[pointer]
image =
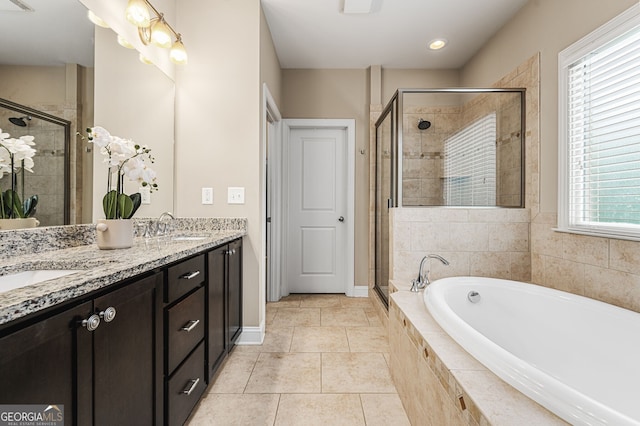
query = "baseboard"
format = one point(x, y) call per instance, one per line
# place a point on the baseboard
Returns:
point(251, 335)
point(359, 291)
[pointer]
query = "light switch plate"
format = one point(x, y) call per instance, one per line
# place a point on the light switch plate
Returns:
point(207, 195)
point(145, 195)
point(235, 195)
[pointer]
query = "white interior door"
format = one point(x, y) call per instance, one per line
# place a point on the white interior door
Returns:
point(317, 210)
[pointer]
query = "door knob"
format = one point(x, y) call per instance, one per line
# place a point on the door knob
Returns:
point(341, 219)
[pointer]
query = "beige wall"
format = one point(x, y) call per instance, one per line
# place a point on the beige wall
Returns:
point(133, 101)
point(600, 268)
point(218, 124)
point(332, 93)
point(45, 84)
point(270, 72)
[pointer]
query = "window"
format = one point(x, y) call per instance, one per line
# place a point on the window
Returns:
point(470, 165)
point(599, 139)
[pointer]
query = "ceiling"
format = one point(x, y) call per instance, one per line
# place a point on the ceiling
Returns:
point(57, 32)
point(306, 33)
point(316, 34)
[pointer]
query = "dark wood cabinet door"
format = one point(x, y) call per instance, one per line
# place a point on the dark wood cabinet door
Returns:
point(216, 328)
point(125, 355)
point(234, 283)
point(38, 363)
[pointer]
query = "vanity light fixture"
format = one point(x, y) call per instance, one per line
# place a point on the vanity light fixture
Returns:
point(155, 29)
point(437, 44)
point(144, 59)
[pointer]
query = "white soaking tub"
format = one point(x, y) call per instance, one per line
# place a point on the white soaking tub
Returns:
point(577, 357)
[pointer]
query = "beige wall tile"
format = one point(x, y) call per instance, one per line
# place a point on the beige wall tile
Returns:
point(490, 264)
point(625, 256)
point(429, 236)
point(615, 287)
point(509, 237)
point(585, 249)
point(467, 237)
point(564, 275)
point(544, 240)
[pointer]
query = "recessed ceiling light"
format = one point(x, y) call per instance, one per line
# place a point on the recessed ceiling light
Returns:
point(437, 44)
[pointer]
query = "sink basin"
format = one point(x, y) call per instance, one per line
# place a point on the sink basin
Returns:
point(189, 237)
point(25, 278)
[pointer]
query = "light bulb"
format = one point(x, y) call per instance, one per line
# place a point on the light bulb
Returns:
point(137, 13)
point(96, 19)
point(161, 34)
point(178, 54)
point(437, 44)
point(144, 59)
point(124, 43)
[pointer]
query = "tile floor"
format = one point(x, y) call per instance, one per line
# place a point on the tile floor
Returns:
point(324, 361)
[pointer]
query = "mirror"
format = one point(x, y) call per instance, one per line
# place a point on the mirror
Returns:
point(41, 69)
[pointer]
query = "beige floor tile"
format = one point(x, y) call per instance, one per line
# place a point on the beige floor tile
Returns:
point(235, 373)
point(291, 317)
point(374, 318)
point(320, 410)
point(319, 339)
point(344, 317)
point(321, 301)
point(236, 410)
point(356, 302)
point(355, 373)
point(292, 301)
point(384, 410)
point(276, 339)
point(368, 339)
point(286, 373)
point(270, 314)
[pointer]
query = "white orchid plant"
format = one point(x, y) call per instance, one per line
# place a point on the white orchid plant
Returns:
point(124, 157)
point(16, 155)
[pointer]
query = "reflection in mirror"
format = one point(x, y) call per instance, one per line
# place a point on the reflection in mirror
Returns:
point(46, 72)
point(49, 179)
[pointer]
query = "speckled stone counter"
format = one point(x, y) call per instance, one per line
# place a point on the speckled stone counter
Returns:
point(73, 247)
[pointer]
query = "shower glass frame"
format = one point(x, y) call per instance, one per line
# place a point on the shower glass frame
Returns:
point(395, 111)
point(23, 110)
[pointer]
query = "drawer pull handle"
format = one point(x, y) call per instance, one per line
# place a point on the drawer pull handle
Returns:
point(190, 325)
point(108, 314)
point(189, 275)
point(191, 386)
point(91, 323)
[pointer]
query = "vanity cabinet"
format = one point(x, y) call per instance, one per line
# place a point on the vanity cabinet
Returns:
point(97, 358)
point(184, 323)
point(224, 302)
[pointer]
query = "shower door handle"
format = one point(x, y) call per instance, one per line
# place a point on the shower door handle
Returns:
point(341, 219)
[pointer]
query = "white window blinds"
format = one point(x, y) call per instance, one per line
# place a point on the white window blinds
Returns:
point(470, 165)
point(603, 131)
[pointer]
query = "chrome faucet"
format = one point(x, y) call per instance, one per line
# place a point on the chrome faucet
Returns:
point(165, 214)
point(423, 279)
point(162, 229)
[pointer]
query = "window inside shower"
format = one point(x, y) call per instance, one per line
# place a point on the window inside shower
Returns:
point(446, 148)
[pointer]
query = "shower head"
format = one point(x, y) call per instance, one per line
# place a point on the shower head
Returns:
point(423, 124)
point(19, 121)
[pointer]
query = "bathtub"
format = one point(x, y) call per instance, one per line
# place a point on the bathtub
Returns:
point(577, 357)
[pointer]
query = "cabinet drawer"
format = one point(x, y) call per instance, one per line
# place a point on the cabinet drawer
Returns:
point(184, 277)
point(185, 322)
point(185, 387)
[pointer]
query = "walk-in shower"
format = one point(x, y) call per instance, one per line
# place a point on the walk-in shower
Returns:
point(446, 148)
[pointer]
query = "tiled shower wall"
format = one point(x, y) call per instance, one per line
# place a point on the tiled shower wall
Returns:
point(423, 150)
point(493, 242)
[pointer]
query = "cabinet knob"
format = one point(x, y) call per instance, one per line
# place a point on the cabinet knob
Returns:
point(230, 252)
point(191, 386)
point(190, 325)
point(189, 275)
point(108, 314)
point(91, 323)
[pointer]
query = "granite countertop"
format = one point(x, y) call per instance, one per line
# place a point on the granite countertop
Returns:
point(98, 268)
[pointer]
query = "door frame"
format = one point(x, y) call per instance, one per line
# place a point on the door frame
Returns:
point(349, 126)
